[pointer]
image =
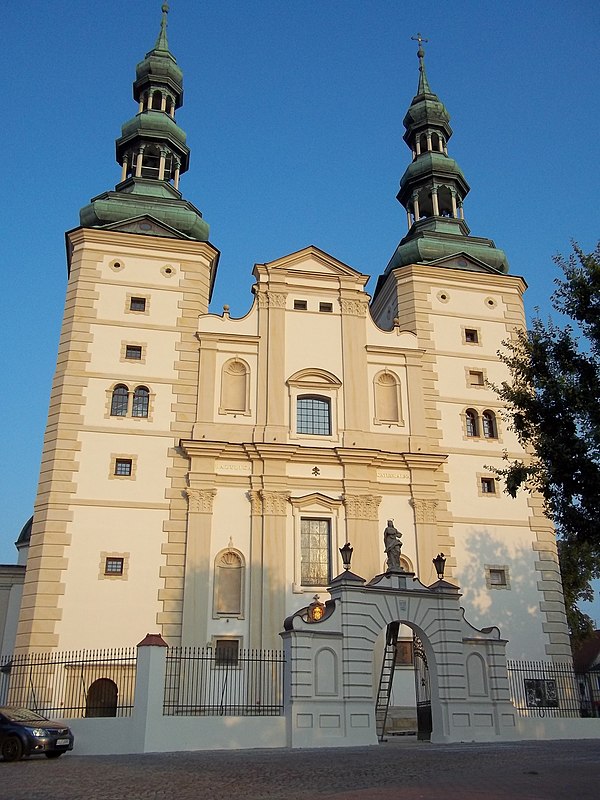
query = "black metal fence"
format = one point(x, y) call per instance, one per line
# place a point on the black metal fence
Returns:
point(549, 689)
point(213, 682)
point(90, 683)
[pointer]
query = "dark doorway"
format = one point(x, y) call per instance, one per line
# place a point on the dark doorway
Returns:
point(102, 699)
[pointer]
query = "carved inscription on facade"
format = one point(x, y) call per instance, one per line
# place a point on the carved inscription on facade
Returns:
point(201, 500)
point(362, 506)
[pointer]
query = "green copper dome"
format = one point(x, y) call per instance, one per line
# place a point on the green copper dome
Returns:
point(432, 191)
point(153, 154)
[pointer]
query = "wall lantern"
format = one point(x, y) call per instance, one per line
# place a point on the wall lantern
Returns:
point(439, 562)
point(346, 553)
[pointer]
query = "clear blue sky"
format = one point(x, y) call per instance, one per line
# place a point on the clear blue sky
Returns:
point(293, 112)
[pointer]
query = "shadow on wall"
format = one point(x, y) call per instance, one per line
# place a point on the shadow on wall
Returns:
point(499, 585)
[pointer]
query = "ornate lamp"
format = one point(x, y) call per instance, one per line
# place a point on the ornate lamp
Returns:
point(439, 562)
point(346, 554)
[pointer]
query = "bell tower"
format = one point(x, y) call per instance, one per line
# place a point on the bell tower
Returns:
point(453, 291)
point(111, 496)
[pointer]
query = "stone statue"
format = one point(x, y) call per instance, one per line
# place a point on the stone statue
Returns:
point(393, 545)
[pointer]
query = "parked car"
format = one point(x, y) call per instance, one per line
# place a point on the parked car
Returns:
point(24, 732)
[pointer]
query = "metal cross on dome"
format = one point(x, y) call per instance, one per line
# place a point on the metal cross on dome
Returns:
point(418, 38)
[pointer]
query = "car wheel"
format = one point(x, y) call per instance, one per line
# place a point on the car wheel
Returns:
point(53, 754)
point(12, 749)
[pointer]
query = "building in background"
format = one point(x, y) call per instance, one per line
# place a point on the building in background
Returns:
point(200, 473)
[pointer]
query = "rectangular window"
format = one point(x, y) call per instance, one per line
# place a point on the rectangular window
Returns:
point(227, 652)
point(133, 351)
point(300, 305)
point(476, 377)
point(326, 307)
point(497, 577)
point(471, 335)
point(123, 466)
point(113, 566)
point(488, 485)
point(313, 416)
point(315, 548)
point(137, 304)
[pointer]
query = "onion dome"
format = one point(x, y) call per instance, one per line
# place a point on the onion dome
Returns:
point(153, 154)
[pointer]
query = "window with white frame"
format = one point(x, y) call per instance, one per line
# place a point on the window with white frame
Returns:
point(315, 549)
point(313, 415)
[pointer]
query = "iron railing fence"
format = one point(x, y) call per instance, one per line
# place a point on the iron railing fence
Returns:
point(551, 689)
point(213, 682)
point(86, 683)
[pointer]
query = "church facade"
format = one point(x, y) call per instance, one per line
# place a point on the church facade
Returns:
point(200, 472)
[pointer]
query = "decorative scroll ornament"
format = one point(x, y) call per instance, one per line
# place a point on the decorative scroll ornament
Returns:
point(256, 504)
point(276, 299)
point(201, 500)
point(362, 506)
point(356, 308)
point(424, 509)
point(275, 503)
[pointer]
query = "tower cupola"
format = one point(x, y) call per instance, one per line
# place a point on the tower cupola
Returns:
point(152, 152)
point(433, 189)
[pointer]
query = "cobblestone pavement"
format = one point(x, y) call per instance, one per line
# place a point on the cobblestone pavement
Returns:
point(401, 769)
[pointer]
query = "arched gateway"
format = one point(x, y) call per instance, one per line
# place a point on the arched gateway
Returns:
point(331, 685)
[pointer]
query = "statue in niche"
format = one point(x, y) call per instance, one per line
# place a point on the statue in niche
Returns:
point(393, 545)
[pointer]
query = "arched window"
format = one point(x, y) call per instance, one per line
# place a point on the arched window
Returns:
point(313, 415)
point(150, 163)
point(490, 430)
point(169, 105)
point(141, 402)
point(229, 584)
point(387, 397)
point(423, 143)
point(234, 387)
point(472, 420)
point(156, 101)
point(118, 405)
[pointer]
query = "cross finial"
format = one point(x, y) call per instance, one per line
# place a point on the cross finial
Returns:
point(418, 38)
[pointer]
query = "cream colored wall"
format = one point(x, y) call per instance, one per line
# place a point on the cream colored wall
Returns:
point(516, 611)
point(82, 509)
point(115, 612)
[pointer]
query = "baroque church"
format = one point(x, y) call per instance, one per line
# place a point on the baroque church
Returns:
point(200, 473)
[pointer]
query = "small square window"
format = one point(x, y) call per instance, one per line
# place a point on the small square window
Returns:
point(133, 351)
point(113, 566)
point(326, 307)
point(476, 377)
point(471, 335)
point(227, 652)
point(488, 485)
point(137, 304)
point(123, 466)
point(300, 305)
point(498, 577)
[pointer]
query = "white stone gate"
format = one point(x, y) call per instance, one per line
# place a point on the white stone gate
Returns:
point(330, 681)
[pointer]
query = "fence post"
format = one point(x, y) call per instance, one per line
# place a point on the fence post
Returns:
point(149, 690)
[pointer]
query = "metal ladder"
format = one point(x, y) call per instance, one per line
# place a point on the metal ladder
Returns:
point(386, 679)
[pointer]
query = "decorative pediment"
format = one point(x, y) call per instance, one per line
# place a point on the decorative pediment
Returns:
point(315, 502)
point(314, 379)
point(313, 261)
point(462, 260)
point(145, 225)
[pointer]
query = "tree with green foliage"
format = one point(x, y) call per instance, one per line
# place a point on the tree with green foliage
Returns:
point(553, 406)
